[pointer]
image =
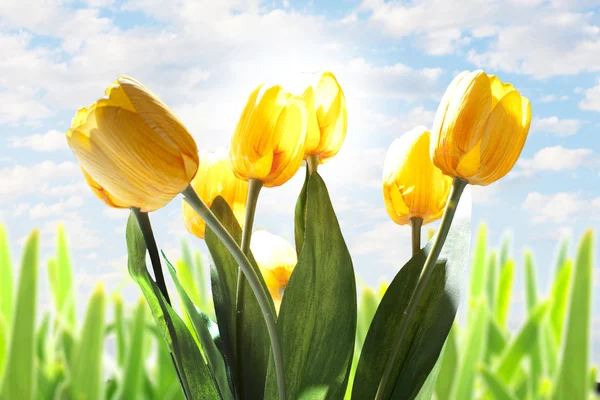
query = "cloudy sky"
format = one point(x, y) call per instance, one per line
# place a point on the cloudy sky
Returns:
point(393, 59)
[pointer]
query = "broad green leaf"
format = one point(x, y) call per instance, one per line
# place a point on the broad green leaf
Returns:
point(531, 297)
point(61, 281)
point(255, 343)
point(195, 377)
point(431, 323)
point(300, 215)
point(495, 386)
point(450, 357)
point(505, 251)
point(6, 279)
point(475, 340)
point(572, 377)
point(317, 319)
point(559, 295)
point(504, 292)
point(131, 384)
point(491, 277)
point(165, 376)
point(120, 338)
point(520, 346)
point(20, 378)
point(479, 264)
point(87, 375)
point(205, 330)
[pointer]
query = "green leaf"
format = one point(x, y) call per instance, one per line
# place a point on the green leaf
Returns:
point(475, 338)
point(6, 279)
point(549, 350)
point(504, 292)
point(520, 346)
point(431, 323)
point(366, 312)
point(255, 344)
point(120, 338)
point(195, 377)
point(559, 295)
point(87, 376)
point(478, 268)
point(203, 288)
point(531, 296)
point(491, 278)
point(562, 256)
point(185, 272)
point(205, 331)
point(4, 343)
point(131, 384)
point(446, 378)
point(300, 215)
point(61, 281)
point(317, 319)
point(19, 379)
point(496, 339)
point(495, 386)
point(428, 388)
point(572, 377)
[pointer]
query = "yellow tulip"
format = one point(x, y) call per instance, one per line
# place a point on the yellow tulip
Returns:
point(102, 194)
point(268, 143)
point(215, 178)
point(412, 185)
point(327, 117)
point(132, 146)
point(480, 128)
point(276, 259)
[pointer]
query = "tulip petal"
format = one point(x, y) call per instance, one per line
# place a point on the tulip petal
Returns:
point(504, 138)
point(313, 133)
point(499, 89)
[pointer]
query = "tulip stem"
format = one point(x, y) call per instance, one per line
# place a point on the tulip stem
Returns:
point(146, 228)
point(415, 225)
point(254, 187)
point(250, 274)
point(458, 185)
point(312, 163)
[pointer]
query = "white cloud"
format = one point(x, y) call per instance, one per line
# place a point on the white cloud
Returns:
point(558, 208)
point(560, 127)
point(43, 210)
point(116, 213)
point(555, 158)
point(46, 142)
point(591, 100)
point(79, 235)
point(21, 180)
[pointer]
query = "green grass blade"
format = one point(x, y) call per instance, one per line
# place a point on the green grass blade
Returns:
point(61, 280)
point(491, 278)
point(572, 378)
point(558, 300)
point(477, 287)
point(19, 379)
point(476, 338)
point(497, 339)
point(549, 350)
point(187, 276)
point(120, 337)
point(531, 298)
point(86, 375)
point(3, 344)
point(366, 312)
point(495, 386)
point(504, 292)
point(202, 284)
point(505, 251)
point(131, 385)
point(520, 346)
point(531, 294)
point(450, 357)
point(6, 279)
point(562, 256)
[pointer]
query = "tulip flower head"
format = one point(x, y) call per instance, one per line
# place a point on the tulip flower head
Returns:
point(276, 258)
point(412, 185)
point(268, 143)
point(480, 128)
point(215, 177)
point(131, 145)
point(327, 117)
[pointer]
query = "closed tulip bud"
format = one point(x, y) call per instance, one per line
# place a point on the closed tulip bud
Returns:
point(480, 128)
point(132, 146)
point(412, 185)
point(327, 117)
point(276, 259)
point(215, 178)
point(268, 143)
point(102, 194)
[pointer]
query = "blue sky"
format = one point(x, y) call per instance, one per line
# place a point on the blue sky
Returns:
point(393, 59)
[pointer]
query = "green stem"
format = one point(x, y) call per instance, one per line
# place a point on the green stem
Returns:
point(254, 187)
point(261, 295)
point(458, 185)
point(312, 163)
point(146, 228)
point(415, 225)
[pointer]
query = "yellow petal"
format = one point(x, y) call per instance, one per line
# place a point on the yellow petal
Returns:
point(102, 193)
point(313, 134)
point(499, 89)
point(330, 107)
